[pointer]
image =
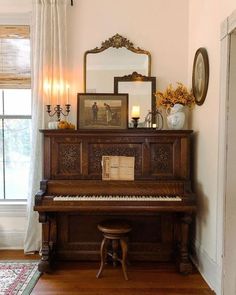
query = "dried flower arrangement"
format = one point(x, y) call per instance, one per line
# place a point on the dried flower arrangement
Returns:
point(172, 96)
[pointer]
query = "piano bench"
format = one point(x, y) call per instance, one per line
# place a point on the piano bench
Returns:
point(114, 231)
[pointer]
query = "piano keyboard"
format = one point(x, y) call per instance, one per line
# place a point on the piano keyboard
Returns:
point(117, 198)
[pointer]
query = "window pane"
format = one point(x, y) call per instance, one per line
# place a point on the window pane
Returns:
point(1, 163)
point(17, 102)
point(17, 157)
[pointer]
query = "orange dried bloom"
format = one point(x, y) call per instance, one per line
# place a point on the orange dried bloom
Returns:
point(171, 96)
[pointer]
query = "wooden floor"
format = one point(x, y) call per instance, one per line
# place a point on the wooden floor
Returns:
point(144, 279)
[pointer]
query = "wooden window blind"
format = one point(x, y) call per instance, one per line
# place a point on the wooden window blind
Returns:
point(15, 70)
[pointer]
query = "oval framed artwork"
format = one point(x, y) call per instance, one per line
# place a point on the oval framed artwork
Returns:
point(200, 75)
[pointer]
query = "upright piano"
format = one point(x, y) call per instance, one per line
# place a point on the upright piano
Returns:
point(73, 198)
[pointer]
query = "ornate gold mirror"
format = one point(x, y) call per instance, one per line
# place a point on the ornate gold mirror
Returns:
point(117, 56)
point(141, 90)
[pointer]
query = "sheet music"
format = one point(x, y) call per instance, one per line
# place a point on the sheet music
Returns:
point(117, 168)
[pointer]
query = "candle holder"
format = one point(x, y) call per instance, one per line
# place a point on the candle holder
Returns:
point(135, 121)
point(58, 111)
point(154, 119)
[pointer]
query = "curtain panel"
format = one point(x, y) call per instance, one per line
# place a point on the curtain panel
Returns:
point(49, 63)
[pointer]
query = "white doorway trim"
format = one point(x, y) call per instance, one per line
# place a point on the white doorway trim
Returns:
point(227, 28)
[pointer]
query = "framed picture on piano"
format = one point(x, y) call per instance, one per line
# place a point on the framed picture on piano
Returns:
point(102, 111)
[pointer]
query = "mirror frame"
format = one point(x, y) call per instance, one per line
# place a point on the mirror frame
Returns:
point(116, 41)
point(136, 77)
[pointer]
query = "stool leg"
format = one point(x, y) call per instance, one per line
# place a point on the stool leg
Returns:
point(124, 248)
point(103, 253)
point(115, 245)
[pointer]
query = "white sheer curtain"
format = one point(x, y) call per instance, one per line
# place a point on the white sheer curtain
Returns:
point(49, 61)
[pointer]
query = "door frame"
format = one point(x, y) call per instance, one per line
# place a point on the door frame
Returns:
point(227, 28)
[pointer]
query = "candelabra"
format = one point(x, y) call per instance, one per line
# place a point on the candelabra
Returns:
point(58, 110)
point(135, 121)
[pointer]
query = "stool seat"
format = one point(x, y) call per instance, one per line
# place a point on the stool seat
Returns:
point(114, 227)
point(115, 231)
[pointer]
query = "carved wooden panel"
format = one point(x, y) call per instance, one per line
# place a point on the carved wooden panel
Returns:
point(66, 158)
point(69, 155)
point(162, 159)
point(96, 151)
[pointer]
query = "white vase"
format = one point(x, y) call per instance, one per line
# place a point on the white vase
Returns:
point(176, 117)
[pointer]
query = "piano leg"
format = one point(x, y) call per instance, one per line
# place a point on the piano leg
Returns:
point(48, 232)
point(44, 264)
point(185, 265)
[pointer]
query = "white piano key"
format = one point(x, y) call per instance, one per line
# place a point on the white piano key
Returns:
point(116, 198)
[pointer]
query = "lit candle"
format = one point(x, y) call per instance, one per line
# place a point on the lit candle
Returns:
point(58, 93)
point(135, 113)
point(67, 87)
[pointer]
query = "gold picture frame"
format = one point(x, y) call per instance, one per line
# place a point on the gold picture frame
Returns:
point(102, 111)
point(200, 75)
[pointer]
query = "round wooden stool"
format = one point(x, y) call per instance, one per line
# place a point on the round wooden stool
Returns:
point(114, 231)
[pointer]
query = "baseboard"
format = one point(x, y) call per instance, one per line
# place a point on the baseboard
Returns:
point(11, 240)
point(208, 268)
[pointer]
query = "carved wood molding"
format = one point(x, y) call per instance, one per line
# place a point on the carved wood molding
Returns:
point(39, 195)
point(116, 41)
point(43, 217)
point(135, 77)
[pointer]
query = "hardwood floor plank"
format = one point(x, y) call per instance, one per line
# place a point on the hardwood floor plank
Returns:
point(80, 279)
point(75, 278)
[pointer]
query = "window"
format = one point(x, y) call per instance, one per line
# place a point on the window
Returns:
point(15, 112)
point(15, 143)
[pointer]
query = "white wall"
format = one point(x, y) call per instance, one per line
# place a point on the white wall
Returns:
point(15, 6)
point(159, 26)
point(205, 18)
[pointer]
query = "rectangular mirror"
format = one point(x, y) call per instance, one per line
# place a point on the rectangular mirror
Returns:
point(141, 90)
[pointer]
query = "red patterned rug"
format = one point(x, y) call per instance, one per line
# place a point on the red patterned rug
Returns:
point(18, 277)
